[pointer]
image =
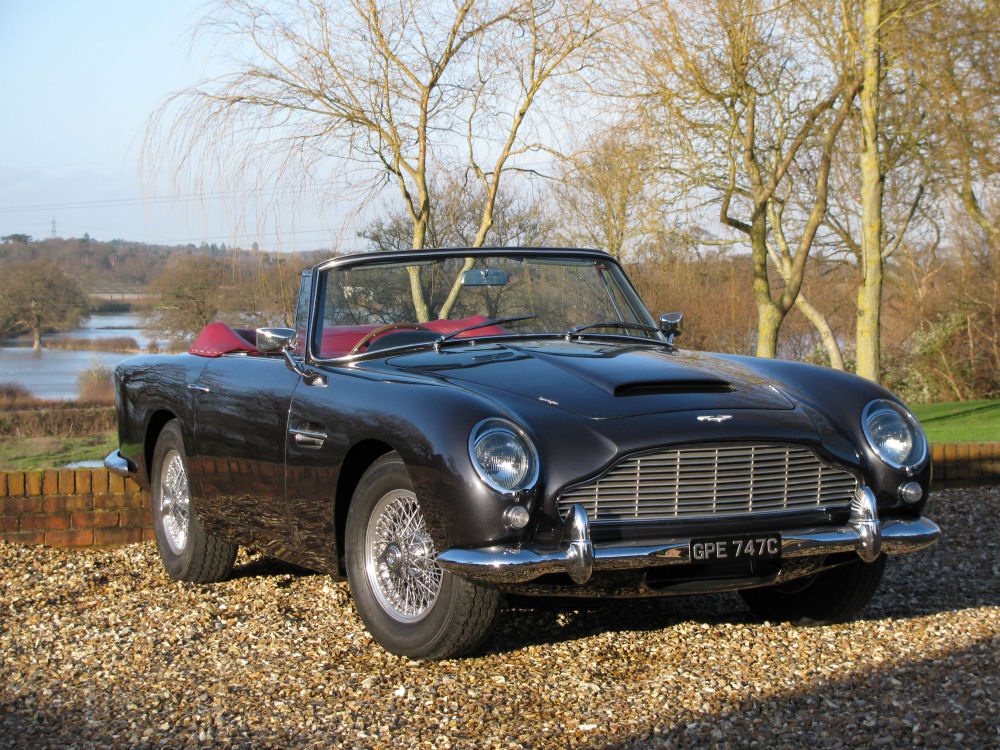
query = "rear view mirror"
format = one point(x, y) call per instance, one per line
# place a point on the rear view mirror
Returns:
point(484, 277)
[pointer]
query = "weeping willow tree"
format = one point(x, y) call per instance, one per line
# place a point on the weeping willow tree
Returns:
point(377, 95)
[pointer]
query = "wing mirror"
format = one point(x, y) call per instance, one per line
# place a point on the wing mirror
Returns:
point(275, 340)
point(670, 324)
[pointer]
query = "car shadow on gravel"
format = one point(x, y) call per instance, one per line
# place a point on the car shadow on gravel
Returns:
point(269, 567)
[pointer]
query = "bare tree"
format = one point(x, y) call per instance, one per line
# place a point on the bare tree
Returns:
point(751, 111)
point(606, 193)
point(517, 220)
point(370, 94)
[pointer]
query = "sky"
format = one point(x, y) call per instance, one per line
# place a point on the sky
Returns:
point(79, 81)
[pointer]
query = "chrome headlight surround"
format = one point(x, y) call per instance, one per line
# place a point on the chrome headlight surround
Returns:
point(895, 435)
point(503, 455)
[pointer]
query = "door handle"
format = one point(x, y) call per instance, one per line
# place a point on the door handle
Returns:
point(199, 387)
point(308, 438)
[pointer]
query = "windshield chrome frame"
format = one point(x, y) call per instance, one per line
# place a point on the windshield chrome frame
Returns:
point(419, 257)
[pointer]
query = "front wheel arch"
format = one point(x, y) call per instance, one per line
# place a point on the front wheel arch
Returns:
point(408, 604)
point(357, 461)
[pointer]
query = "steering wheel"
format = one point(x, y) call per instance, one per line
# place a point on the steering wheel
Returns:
point(372, 335)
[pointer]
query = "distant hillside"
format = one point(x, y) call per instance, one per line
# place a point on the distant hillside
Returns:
point(118, 267)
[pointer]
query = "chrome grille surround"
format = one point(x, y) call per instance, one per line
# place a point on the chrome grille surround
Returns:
point(710, 482)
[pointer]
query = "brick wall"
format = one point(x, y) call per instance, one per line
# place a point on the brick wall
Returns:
point(966, 464)
point(73, 508)
point(95, 508)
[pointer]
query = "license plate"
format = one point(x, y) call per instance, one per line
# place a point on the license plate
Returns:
point(736, 551)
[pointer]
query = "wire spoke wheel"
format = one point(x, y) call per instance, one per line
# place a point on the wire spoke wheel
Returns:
point(175, 502)
point(409, 604)
point(399, 558)
point(187, 551)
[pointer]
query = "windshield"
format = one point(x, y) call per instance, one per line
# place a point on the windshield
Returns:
point(455, 297)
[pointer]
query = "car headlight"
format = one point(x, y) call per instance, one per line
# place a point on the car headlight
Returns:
point(503, 455)
point(894, 434)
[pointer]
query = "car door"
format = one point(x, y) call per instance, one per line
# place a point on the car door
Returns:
point(241, 414)
point(316, 445)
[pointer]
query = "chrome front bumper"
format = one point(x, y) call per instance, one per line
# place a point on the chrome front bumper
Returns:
point(578, 557)
point(116, 463)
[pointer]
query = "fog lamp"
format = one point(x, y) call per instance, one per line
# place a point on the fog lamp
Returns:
point(516, 516)
point(911, 492)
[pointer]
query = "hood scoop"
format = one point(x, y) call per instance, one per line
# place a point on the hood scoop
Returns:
point(673, 387)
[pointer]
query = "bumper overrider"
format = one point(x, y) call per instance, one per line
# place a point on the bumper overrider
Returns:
point(578, 557)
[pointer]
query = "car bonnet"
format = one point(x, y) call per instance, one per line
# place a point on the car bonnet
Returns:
point(600, 380)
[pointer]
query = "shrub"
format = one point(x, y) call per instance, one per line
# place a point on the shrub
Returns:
point(96, 385)
point(14, 395)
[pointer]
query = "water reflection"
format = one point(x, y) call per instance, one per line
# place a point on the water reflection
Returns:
point(53, 373)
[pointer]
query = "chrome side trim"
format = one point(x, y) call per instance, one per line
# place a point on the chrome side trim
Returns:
point(116, 463)
point(579, 557)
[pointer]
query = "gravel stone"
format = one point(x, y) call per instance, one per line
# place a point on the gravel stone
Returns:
point(100, 649)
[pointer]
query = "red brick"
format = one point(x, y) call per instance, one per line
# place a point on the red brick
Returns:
point(66, 481)
point(13, 506)
point(70, 538)
point(3, 483)
point(55, 503)
point(137, 501)
point(110, 537)
point(81, 502)
point(84, 481)
point(149, 535)
point(50, 482)
point(135, 519)
point(100, 480)
point(15, 484)
point(9, 524)
point(27, 537)
point(116, 484)
point(95, 519)
point(45, 522)
point(33, 483)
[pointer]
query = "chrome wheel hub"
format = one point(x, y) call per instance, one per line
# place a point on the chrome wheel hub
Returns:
point(399, 558)
point(175, 502)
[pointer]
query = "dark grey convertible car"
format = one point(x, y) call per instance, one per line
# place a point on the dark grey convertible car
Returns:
point(445, 426)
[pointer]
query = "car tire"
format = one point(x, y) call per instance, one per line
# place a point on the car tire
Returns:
point(411, 606)
point(187, 552)
point(835, 595)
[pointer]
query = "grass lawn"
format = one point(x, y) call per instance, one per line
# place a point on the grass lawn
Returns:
point(22, 454)
point(960, 421)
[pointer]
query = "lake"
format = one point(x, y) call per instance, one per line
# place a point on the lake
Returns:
point(52, 374)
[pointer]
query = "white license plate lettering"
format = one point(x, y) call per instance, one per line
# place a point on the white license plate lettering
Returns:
point(736, 548)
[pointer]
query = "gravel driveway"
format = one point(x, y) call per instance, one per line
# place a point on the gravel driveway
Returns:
point(99, 649)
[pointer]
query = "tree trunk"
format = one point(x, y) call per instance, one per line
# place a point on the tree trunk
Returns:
point(869, 314)
point(769, 314)
point(826, 334)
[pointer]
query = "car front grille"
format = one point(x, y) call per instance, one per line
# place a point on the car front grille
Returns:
point(717, 481)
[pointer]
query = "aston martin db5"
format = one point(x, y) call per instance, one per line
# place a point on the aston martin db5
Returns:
point(444, 427)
